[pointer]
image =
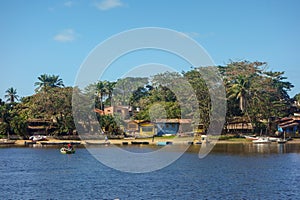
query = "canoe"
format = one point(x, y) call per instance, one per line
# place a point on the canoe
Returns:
point(64, 150)
point(139, 142)
point(164, 143)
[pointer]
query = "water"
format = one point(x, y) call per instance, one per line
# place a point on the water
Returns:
point(230, 172)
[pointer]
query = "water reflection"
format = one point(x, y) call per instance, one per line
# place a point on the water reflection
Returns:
point(251, 149)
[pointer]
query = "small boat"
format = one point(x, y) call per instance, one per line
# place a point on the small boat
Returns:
point(248, 137)
point(65, 150)
point(261, 140)
point(139, 142)
point(282, 141)
point(273, 139)
point(164, 143)
point(38, 138)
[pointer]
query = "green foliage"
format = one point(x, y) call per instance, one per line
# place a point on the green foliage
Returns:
point(3, 128)
point(11, 95)
point(252, 93)
point(48, 81)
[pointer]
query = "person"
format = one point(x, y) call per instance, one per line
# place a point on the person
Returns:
point(70, 146)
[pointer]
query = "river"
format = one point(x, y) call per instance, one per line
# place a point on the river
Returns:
point(230, 171)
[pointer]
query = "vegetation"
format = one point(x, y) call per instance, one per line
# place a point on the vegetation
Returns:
point(254, 94)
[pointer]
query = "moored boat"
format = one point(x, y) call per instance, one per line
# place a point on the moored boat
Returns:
point(248, 137)
point(38, 138)
point(164, 143)
point(281, 141)
point(262, 140)
point(273, 139)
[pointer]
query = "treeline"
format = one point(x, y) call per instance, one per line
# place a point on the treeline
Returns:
point(253, 93)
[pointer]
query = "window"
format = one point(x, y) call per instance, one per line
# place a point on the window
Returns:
point(147, 129)
point(132, 126)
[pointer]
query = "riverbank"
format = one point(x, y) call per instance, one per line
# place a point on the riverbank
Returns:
point(149, 141)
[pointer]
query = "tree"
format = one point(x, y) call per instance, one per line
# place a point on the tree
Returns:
point(11, 95)
point(100, 93)
point(240, 89)
point(124, 89)
point(259, 94)
point(55, 105)
point(48, 81)
point(109, 88)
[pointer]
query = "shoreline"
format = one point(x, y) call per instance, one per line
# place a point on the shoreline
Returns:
point(148, 141)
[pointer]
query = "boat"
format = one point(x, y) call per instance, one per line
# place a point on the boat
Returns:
point(38, 138)
point(139, 142)
point(65, 150)
point(282, 141)
point(273, 139)
point(164, 143)
point(249, 137)
point(261, 140)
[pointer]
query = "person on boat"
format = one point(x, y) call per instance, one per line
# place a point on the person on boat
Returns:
point(70, 146)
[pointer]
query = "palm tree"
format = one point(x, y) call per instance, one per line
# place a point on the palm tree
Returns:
point(239, 89)
point(48, 81)
point(109, 89)
point(11, 95)
point(100, 92)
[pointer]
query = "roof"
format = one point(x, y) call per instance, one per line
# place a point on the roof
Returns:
point(289, 121)
point(290, 125)
point(39, 120)
point(240, 126)
point(174, 121)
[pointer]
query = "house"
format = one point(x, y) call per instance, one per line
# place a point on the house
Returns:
point(132, 127)
point(290, 125)
point(146, 128)
point(140, 128)
point(239, 125)
point(123, 111)
point(173, 126)
point(167, 126)
point(40, 126)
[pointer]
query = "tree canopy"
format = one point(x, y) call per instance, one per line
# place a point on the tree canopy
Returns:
point(252, 93)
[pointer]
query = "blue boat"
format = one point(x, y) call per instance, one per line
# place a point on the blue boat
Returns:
point(164, 143)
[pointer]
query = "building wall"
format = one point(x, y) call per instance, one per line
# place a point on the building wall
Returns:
point(147, 129)
point(123, 111)
point(167, 128)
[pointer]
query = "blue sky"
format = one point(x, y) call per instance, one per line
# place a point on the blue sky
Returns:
point(55, 37)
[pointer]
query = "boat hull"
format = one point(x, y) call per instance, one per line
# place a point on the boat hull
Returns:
point(67, 151)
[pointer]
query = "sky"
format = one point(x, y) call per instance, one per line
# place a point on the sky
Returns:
point(56, 36)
